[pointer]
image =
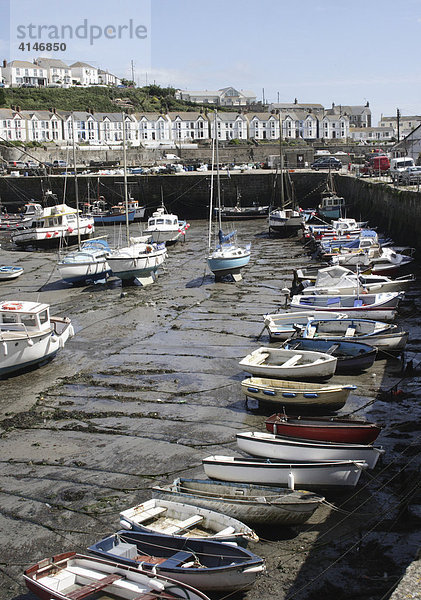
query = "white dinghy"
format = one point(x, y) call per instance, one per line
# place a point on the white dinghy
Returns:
point(313, 475)
point(289, 364)
point(178, 518)
point(269, 445)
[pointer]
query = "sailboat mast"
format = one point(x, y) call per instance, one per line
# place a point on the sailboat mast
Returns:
point(281, 160)
point(211, 189)
point(126, 197)
point(218, 184)
point(76, 183)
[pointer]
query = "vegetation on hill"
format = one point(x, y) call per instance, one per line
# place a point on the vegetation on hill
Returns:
point(152, 98)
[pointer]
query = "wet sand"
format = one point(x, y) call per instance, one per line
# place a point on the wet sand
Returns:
point(150, 385)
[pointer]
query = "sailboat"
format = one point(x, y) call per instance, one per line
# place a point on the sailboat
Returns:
point(138, 261)
point(227, 258)
point(331, 205)
point(284, 221)
point(87, 264)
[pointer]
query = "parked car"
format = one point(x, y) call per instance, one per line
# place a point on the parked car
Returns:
point(411, 176)
point(398, 166)
point(59, 163)
point(326, 163)
point(16, 164)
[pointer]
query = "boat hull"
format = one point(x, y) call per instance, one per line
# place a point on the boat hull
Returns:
point(257, 505)
point(277, 362)
point(129, 265)
point(67, 574)
point(228, 567)
point(314, 475)
point(7, 273)
point(326, 430)
point(269, 445)
point(352, 357)
point(231, 265)
point(24, 351)
point(168, 516)
point(84, 272)
point(305, 397)
point(110, 219)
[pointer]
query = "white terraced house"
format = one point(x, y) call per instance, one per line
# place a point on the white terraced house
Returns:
point(334, 127)
point(153, 127)
point(58, 72)
point(230, 126)
point(42, 126)
point(19, 73)
point(107, 78)
point(263, 126)
point(110, 128)
point(188, 126)
point(300, 124)
point(12, 126)
point(84, 74)
point(85, 126)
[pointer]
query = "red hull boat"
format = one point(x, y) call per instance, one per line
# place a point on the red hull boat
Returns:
point(323, 429)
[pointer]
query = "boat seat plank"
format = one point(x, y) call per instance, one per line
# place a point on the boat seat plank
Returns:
point(93, 587)
point(291, 362)
point(183, 525)
point(226, 531)
point(332, 349)
point(177, 559)
point(149, 514)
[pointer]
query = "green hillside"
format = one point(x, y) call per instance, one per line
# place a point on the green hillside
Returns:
point(152, 98)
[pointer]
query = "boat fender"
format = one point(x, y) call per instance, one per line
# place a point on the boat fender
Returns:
point(125, 524)
point(291, 481)
point(5, 350)
point(30, 342)
point(156, 585)
point(256, 569)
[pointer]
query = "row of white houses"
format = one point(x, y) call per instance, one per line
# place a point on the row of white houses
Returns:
point(153, 129)
point(53, 72)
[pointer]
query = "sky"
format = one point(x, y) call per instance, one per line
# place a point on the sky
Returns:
point(318, 51)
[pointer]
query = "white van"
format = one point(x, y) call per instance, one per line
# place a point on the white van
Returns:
point(398, 166)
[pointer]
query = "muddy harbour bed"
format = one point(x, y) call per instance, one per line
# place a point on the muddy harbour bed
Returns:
point(150, 385)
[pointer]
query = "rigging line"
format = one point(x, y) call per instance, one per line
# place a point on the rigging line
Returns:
point(373, 478)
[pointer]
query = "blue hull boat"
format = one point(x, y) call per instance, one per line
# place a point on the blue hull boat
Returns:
point(111, 219)
point(352, 357)
point(206, 565)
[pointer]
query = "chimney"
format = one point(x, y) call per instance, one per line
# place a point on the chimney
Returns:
point(295, 101)
point(53, 110)
point(368, 104)
point(333, 105)
point(4, 63)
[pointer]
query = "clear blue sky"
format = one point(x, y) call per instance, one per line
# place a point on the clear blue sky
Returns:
point(319, 51)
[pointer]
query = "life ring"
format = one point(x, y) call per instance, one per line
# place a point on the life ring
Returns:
point(12, 305)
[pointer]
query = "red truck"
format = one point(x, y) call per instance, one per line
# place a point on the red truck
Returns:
point(376, 165)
